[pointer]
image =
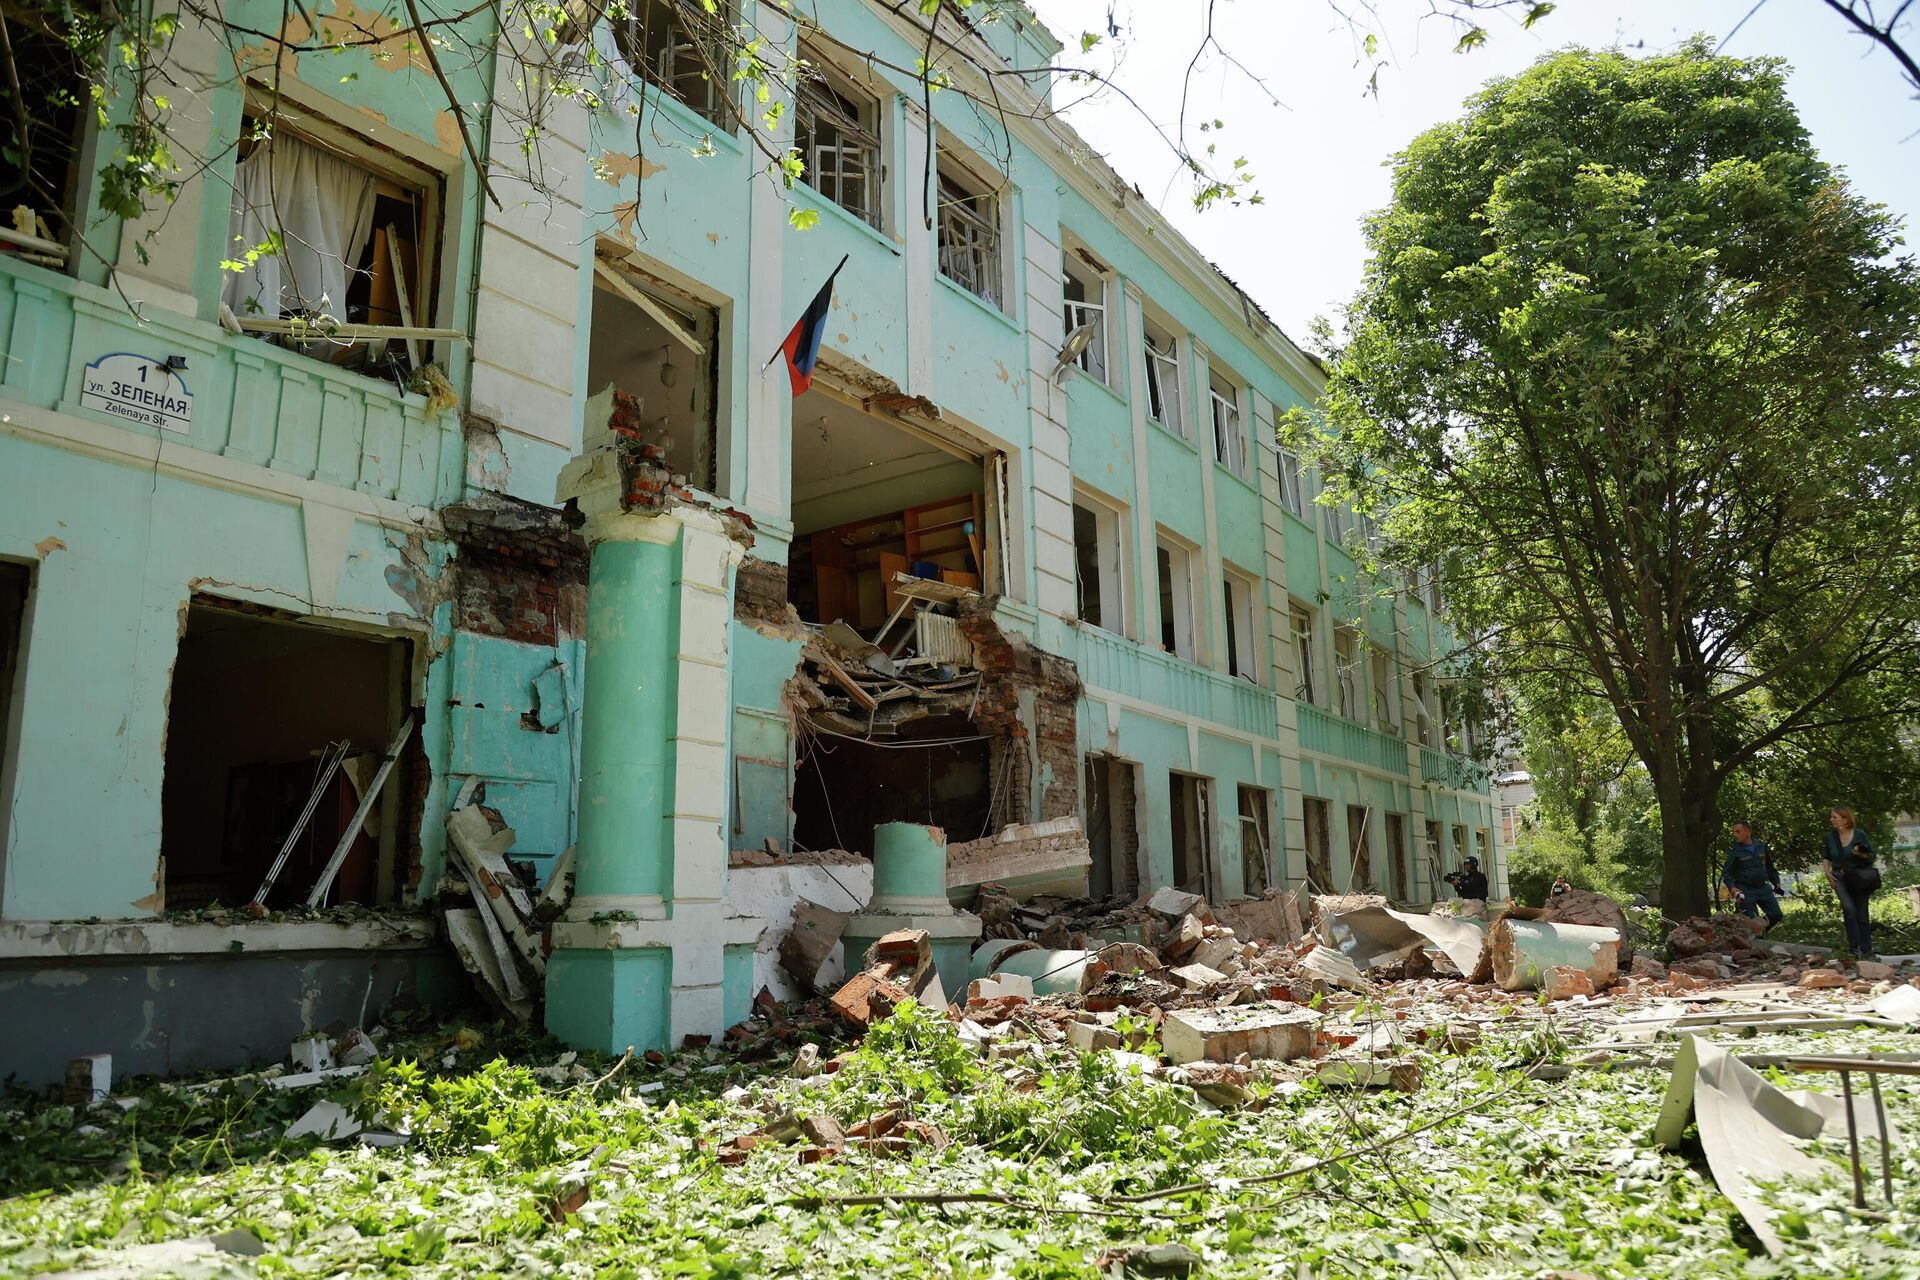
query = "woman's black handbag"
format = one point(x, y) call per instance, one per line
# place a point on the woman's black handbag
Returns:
point(1863, 877)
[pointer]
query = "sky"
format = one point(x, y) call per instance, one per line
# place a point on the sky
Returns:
point(1319, 155)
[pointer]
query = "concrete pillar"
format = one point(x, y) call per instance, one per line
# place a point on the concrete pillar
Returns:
point(910, 892)
point(642, 956)
point(626, 761)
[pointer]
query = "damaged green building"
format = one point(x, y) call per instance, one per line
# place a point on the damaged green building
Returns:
point(481, 487)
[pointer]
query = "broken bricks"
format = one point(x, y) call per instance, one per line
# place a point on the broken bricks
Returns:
point(898, 965)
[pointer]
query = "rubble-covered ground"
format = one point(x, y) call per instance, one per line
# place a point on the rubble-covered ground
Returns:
point(927, 1148)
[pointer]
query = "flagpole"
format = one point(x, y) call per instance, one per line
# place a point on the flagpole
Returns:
point(783, 342)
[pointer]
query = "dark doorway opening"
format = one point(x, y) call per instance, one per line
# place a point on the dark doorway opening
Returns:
point(1318, 821)
point(1113, 833)
point(1360, 849)
point(254, 704)
point(845, 787)
point(15, 581)
point(1256, 843)
point(1191, 807)
point(1397, 886)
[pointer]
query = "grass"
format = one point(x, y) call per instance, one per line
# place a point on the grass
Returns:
point(1812, 916)
point(1519, 1177)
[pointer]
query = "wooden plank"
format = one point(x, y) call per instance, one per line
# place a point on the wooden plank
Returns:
point(839, 676)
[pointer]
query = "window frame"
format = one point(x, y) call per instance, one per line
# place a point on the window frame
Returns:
point(1383, 689)
point(822, 90)
point(1179, 588)
point(715, 95)
point(1422, 712)
point(1160, 366)
point(1225, 416)
point(1109, 529)
point(1244, 641)
point(701, 320)
point(1292, 483)
point(427, 185)
point(977, 213)
point(1346, 658)
point(1304, 640)
point(1079, 268)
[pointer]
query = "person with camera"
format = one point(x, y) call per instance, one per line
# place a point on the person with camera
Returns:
point(1751, 875)
point(1851, 869)
point(1469, 882)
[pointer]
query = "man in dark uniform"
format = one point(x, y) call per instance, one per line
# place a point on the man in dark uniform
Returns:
point(1751, 875)
point(1470, 882)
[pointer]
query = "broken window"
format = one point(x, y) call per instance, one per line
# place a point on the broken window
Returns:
point(1397, 886)
point(674, 48)
point(1292, 495)
point(1085, 287)
point(1431, 858)
point(1191, 806)
point(1359, 849)
point(1422, 711)
point(40, 143)
point(1317, 816)
point(969, 229)
point(255, 706)
point(656, 348)
point(1305, 688)
point(837, 132)
point(1460, 850)
point(1175, 566)
point(332, 244)
point(1346, 674)
point(1243, 641)
point(1483, 845)
point(1229, 441)
point(1386, 692)
point(1113, 837)
point(1096, 551)
point(1255, 845)
point(1163, 378)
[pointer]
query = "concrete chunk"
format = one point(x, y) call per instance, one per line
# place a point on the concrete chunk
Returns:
point(1195, 976)
point(1173, 903)
point(1024, 859)
point(1273, 1029)
point(1402, 1074)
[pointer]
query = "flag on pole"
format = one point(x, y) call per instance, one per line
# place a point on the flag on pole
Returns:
point(802, 347)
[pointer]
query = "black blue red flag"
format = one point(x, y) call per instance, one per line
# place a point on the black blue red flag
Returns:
point(802, 347)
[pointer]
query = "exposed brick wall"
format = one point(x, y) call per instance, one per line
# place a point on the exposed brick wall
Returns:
point(521, 571)
point(760, 594)
point(1038, 731)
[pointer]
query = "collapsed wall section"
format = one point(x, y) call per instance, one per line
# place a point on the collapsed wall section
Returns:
point(517, 657)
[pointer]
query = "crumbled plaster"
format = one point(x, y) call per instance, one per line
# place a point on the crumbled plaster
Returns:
point(413, 578)
point(616, 167)
point(47, 546)
point(486, 456)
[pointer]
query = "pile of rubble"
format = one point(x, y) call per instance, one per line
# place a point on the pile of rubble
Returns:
point(1341, 992)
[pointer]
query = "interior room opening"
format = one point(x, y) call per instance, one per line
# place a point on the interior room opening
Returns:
point(256, 702)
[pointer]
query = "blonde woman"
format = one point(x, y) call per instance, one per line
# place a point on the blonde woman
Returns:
point(1854, 877)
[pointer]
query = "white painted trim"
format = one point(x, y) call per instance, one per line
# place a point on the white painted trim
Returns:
point(66, 940)
point(177, 461)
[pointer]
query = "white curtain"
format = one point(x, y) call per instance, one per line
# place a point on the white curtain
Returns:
point(322, 209)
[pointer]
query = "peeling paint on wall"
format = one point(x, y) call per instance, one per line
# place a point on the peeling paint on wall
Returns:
point(616, 167)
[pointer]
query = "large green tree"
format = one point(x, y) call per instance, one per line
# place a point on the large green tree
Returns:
point(1638, 368)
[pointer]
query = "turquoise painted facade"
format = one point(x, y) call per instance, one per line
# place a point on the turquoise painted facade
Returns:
point(599, 681)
